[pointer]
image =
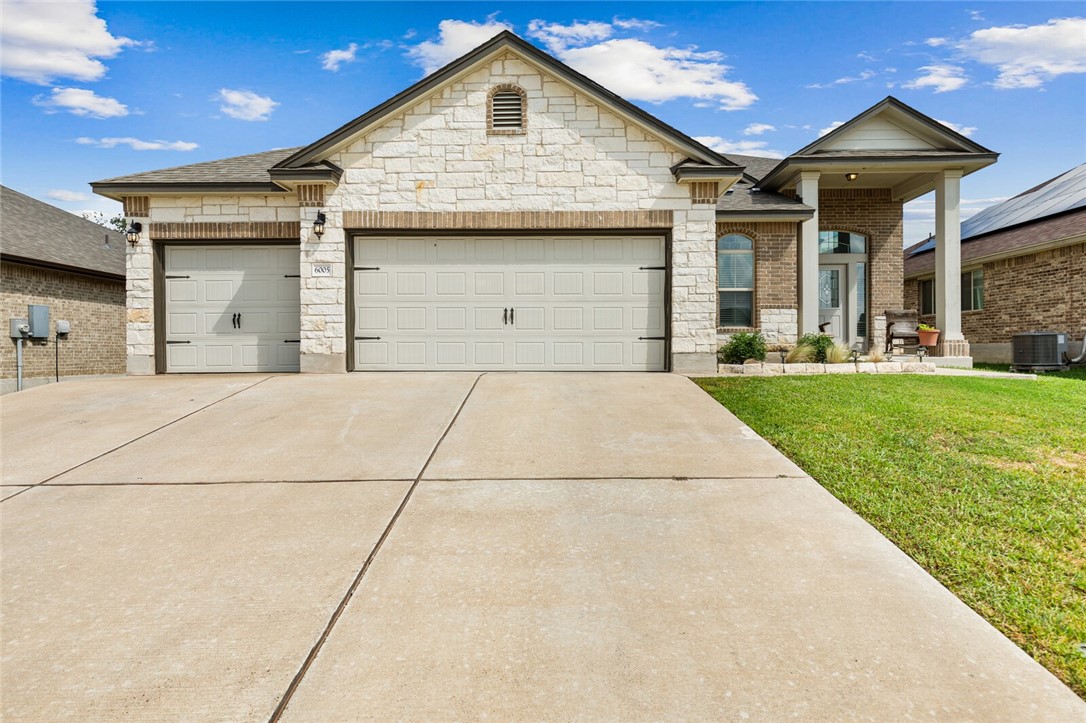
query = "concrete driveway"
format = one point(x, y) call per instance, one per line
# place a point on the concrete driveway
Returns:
point(449, 546)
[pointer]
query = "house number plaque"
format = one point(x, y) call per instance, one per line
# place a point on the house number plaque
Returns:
point(322, 270)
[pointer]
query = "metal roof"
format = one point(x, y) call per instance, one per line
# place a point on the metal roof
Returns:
point(35, 232)
point(1062, 193)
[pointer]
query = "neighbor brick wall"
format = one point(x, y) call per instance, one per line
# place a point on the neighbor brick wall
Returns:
point(872, 212)
point(1036, 292)
point(95, 307)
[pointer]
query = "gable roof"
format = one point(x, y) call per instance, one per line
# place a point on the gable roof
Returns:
point(39, 234)
point(242, 173)
point(756, 167)
point(505, 40)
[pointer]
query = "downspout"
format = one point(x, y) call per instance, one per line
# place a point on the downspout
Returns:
point(1082, 354)
point(18, 365)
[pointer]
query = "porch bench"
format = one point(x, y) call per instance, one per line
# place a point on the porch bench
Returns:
point(902, 324)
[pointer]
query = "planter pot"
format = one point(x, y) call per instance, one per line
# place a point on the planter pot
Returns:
point(929, 338)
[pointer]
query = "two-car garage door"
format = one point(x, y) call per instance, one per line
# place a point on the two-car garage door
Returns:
point(515, 303)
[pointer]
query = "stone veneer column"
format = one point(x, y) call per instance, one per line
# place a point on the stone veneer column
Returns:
point(323, 299)
point(693, 290)
point(140, 301)
point(807, 191)
point(948, 264)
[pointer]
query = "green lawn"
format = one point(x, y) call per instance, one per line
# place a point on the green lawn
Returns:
point(981, 481)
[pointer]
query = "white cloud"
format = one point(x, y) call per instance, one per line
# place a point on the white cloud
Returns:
point(61, 194)
point(137, 145)
point(757, 129)
point(976, 15)
point(750, 148)
point(941, 78)
point(869, 57)
point(455, 38)
point(964, 130)
point(245, 104)
point(635, 24)
point(335, 58)
point(1029, 55)
point(865, 75)
point(559, 37)
point(637, 70)
point(935, 42)
point(43, 41)
point(82, 102)
point(832, 126)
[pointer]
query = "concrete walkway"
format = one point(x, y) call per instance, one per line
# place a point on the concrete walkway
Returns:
point(451, 546)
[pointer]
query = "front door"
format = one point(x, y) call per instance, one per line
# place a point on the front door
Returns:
point(833, 300)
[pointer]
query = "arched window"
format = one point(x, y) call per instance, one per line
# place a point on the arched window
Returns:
point(507, 110)
point(735, 280)
point(841, 242)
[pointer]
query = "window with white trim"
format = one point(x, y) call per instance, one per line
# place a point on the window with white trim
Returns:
point(735, 280)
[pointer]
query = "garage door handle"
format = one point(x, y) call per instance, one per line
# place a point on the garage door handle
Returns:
point(511, 313)
point(292, 276)
point(178, 277)
point(187, 341)
point(292, 341)
point(652, 268)
point(505, 316)
point(650, 338)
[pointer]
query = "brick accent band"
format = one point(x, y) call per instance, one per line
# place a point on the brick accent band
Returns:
point(705, 192)
point(136, 206)
point(514, 220)
point(311, 194)
point(226, 230)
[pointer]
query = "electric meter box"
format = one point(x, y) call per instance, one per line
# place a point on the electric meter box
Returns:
point(38, 318)
point(63, 327)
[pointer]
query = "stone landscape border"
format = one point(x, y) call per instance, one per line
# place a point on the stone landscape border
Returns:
point(766, 369)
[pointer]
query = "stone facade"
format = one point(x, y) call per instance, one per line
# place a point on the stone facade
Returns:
point(1041, 291)
point(94, 306)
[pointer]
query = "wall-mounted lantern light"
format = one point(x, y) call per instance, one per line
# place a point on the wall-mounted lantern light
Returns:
point(318, 225)
point(850, 177)
point(133, 232)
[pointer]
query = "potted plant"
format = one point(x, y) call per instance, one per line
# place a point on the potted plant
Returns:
point(929, 335)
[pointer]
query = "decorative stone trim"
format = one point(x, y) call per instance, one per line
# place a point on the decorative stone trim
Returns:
point(506, 88)
point(765, 369)
point(756, 231)
point(518, 220)
point(225, 230)
point(958, 347)
point(705, 192)
point(311, 194)
point(138, 206)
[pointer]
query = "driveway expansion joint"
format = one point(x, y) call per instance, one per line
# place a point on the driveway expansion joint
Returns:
point(300, 675)
point(136, 439)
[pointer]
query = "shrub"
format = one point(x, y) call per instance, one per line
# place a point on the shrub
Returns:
point(876, 354)
point(819, 343)
point(742, 346)
point(838, 354)
point(800, 354)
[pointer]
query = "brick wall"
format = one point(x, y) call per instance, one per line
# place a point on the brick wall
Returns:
point(95, 308)
point(775, 263)
point(872, 212)
point(1036, 292)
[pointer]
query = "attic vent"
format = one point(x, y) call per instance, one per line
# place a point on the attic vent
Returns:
point(506, 111)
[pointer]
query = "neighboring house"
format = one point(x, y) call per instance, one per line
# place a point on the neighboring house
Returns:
point(75, 267)
point(506, 212)
point(1023, 268)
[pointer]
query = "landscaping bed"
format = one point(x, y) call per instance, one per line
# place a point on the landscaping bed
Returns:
point(981, 481)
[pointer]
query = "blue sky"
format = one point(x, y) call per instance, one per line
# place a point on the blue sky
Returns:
point(93, 91)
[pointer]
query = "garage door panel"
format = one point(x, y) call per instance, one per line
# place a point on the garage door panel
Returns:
point(577, 303)
point(257, 285)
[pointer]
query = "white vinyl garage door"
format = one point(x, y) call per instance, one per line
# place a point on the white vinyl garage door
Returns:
point(232, 308)
point(516, 303)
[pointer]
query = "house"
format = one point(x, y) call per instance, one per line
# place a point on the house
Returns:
point(1023, 268)
point(75, 267)
point(506, 212)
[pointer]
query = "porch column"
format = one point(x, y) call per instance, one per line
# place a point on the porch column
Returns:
point(807, 190)
point(948, 263)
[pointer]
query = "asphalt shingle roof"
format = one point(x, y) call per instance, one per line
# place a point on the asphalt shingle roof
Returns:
point(741, 199)
point(35, 231)
point(757, 167)
point(252, 168)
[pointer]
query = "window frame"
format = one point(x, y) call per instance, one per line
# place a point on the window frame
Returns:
point(930, 298)
point(506, 130)
point(973, 286)
point(736, 289)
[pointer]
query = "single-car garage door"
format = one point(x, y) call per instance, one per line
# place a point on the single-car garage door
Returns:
point(232, 308)
point(518, 303)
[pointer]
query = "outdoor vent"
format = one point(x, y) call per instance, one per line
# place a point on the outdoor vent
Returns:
point(507, 110)
point(1039, 351)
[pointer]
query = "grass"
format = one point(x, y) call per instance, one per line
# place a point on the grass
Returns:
point(981, 481)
